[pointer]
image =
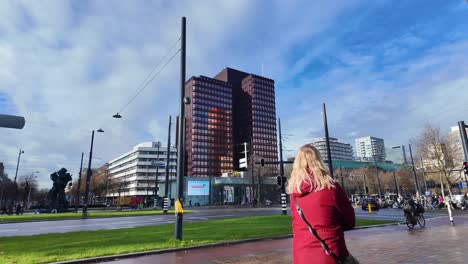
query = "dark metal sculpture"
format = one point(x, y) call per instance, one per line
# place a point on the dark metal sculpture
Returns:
point(56, 196)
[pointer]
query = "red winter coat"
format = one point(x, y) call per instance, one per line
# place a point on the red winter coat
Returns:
point(330, 213)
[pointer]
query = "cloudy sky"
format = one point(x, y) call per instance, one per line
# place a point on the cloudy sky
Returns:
point(384, 68)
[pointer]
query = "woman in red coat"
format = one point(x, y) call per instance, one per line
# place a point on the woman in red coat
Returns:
point(324, 205)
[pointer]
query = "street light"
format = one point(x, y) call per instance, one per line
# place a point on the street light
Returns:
point(117, 116)
point(378, 178)
point(16, 173)
point(416, 185)
point(88, 176)
point(17, 164)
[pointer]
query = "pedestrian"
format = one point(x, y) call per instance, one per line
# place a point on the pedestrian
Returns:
point(430, 200)
point(4, 210)
point(18, 208)
point(319, 200)
point(10, 208)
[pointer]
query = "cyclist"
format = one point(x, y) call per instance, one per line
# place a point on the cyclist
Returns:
point(409, 206)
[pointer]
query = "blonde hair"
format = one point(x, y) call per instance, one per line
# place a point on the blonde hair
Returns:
point(308, 166)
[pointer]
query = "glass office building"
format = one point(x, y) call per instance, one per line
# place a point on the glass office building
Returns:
point(209, 139)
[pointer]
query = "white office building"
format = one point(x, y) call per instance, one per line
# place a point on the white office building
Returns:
point(370, 149)
point(339, 150)
point(134, 173)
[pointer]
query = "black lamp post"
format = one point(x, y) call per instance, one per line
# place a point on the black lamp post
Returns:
point(17, 164)
point(88, 177)
point(16, 173)
point(416, 185)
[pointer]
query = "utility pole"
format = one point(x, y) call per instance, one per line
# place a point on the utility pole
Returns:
point(365, 185)
point(416, 185)
point(341, 176)
point(242, 164)
point(107, 182)
point(405, 160)
point(396, 184)
point(17, 164)
point(327, 138)
point(424, 175)
point(168, 162)
point(89, 173)
point(462, 127)
point(156, 180)
point(77, 203)
point(378, 178)
point(88, 178)
point(181, 135)
point(283, 187)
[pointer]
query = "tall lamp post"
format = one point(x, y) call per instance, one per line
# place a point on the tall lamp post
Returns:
point(327, 139)
point(77, 200)
point(88, 177)
point(17, 164)
point(181, 136)
point(378, 178)
point(415, 178)
point(16, 173)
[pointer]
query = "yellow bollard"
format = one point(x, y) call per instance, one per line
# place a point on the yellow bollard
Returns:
point(355, 204)
point(369, 207)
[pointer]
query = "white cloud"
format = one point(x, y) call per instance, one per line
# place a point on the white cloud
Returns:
point(69, 67)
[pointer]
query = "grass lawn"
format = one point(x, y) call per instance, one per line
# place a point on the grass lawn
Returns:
point(66, 216)
point(75, 245)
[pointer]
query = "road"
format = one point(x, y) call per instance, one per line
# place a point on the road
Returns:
point(64, 226)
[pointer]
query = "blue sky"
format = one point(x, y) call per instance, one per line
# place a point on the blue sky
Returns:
point(384, 68)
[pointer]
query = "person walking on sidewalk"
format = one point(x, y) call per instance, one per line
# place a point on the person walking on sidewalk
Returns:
point(319, 201)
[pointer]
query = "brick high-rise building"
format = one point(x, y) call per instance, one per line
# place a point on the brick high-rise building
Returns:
point(232, 108)
point(208, 137)
point(254, 114)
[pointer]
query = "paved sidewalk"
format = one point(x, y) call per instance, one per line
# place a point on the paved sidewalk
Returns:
point(437, 243)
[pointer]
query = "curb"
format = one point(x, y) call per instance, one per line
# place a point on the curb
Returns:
point(100, 217)
point(162, 251)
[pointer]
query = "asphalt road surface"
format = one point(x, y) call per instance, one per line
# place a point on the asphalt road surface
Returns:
point(63, 226)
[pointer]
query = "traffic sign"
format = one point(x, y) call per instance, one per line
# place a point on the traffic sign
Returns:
point(243, 163)
point(158, 163)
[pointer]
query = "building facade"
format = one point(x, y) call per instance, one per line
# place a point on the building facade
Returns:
point(455, 139)
point(396, 155)
point(254, 116)
point(339, 150)
point(370, 149)
point(135, 173)
point(209, 139)
point(226, 111)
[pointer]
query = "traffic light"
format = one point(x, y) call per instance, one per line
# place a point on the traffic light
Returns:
point(280, 181)
point(262, 162)
point(465, 167)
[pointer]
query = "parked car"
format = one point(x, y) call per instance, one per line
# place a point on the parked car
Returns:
point(374, 205)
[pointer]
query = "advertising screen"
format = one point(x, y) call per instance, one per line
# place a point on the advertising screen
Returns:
point(198, 188)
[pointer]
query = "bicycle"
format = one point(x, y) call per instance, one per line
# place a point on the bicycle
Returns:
point(412, 219)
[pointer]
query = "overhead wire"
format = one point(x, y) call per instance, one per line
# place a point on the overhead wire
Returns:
point(148, 78)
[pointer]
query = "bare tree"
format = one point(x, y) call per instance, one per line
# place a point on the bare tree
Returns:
point(438, 153)
point(118, 185)
point(27, 185)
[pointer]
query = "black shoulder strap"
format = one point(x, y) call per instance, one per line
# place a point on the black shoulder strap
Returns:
point(314, 232)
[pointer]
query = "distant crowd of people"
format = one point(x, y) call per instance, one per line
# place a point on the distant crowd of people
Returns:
point(9, 207)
